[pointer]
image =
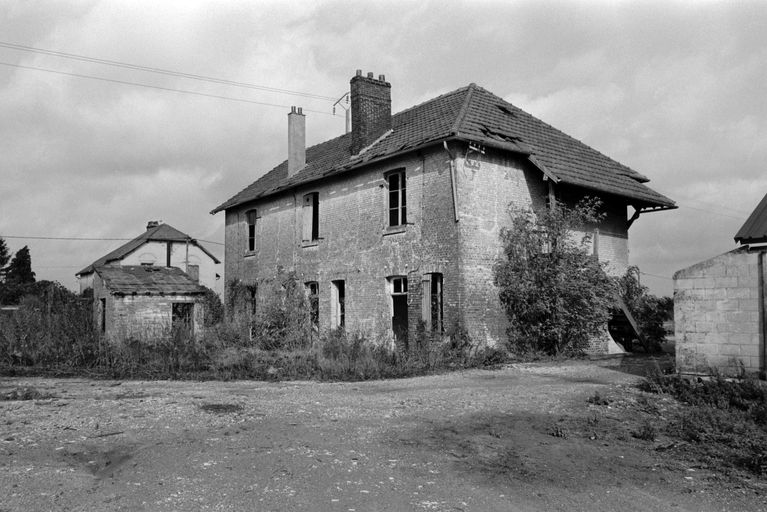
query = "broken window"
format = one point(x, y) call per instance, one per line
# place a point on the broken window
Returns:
point(431, 305)
point(397, 198)
point(311, 217)
point(337, 304)
point(313, 292)
point(181, 322)
point(399, 320)
point(252, 215)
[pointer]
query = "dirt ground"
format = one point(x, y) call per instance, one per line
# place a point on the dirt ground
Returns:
point(523, 437)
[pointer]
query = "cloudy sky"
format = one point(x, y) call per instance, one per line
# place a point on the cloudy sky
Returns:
point(674, 90)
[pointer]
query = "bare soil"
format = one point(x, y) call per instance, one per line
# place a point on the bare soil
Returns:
point(525, 437)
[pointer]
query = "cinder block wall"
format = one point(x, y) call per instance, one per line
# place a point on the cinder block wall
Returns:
point(716, 314)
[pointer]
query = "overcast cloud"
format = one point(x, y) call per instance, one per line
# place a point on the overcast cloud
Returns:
point(673, 90)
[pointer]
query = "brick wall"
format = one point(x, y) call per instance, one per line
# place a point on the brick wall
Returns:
point(356, 245)
point(716, 314)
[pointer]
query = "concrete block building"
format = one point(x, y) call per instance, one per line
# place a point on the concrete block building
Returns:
point(719, 306)
point(397, 222)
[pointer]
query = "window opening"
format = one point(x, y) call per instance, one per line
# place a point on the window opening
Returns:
point(103, 306)
point(399, 319)
point(311, 217)
point(397, 198)
point(338, 304)
point(252, 215)
point(313, 291)
point(432, 312)
point(181, 322)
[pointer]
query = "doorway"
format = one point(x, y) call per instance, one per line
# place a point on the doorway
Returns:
point(399, 320)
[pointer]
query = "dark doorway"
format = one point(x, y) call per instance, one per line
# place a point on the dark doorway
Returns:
point(399, 320)
point(399, 310)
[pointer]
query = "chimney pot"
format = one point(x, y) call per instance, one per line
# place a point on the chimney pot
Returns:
point(382, 78)
point(359, 72)
point(370, 74)
point(152, 224)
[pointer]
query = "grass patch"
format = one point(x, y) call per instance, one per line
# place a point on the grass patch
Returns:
point(24, 393)
point(723, 422)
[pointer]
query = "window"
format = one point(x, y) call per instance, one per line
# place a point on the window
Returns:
point(182, 318)
point(311, 217)
point(337, 304)
point(252, 215)
point(431, 305)
point(399, 318)
point(103, 308)
point(313, 293)
point(397, 198)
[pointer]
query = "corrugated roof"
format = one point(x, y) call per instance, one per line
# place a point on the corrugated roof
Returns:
point(754, 231)
point(475, 114)
point(160, 233)
point(142, 280)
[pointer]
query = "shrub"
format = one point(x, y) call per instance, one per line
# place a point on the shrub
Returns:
point(555, 294)
point(648, 310)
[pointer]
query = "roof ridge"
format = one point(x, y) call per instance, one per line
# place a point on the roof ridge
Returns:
point(464, 109)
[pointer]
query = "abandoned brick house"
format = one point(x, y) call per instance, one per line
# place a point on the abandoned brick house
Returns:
point(719, 306)
point(152, 282)
point(397, 222)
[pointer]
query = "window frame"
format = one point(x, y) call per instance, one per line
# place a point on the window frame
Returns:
point(432, 302)
point(396, 215)
point(313, 295)
point(310, 217)
point(338, 304)
point(251, 220)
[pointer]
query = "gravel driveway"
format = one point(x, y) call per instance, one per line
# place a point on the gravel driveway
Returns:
point(473, 440)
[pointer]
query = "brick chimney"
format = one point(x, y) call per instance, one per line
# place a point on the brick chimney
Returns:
point(152, 224)
point(371, 109)
point(296, 141)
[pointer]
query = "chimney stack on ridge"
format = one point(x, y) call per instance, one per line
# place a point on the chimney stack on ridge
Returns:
point(371, 109)
point(296, 141)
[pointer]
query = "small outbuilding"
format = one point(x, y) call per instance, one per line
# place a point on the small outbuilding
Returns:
point(719, 306)
point(144, 302)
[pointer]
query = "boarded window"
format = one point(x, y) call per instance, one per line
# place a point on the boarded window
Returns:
point(337, 304)
point(431, 302)
point(193, 271)
point(252, 216)
point(397, 198)
point(310, 217)
point(313, 295)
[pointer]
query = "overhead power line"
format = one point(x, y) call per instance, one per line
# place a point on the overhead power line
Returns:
point(149, 69)
point(169, 89)
point(88, 239)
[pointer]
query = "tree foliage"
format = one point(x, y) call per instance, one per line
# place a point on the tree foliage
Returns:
point(5, 254)
point(556, 295)
point(20, 269)
point(648, 310)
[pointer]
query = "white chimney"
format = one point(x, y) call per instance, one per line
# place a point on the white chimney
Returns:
point(296, 141)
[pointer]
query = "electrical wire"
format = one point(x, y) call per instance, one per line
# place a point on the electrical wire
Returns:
point(161, 71)
point(90, 239)
point(169, 89)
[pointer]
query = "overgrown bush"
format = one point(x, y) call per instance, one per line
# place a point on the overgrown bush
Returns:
point(556, 295)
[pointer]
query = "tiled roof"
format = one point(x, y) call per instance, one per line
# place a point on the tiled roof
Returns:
point(143, 280)
point(160, 233)
point(755, 229)
point(474, 114)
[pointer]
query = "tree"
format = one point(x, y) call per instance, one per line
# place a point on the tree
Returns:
point(5, 254)
point(20, 269)
point(648, 310)
point(556, 295)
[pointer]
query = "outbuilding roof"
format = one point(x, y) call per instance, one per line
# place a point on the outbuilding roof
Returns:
point(476, 115)
point(754, 231)
point(159, 233)
point(147, 280)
